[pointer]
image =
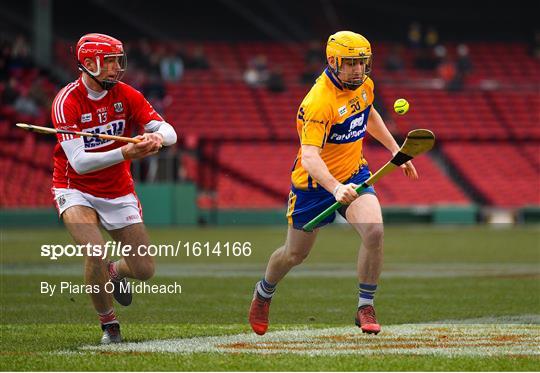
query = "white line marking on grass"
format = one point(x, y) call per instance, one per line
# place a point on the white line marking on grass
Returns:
point(415, 339)
point(506, 319)
point(329, 270)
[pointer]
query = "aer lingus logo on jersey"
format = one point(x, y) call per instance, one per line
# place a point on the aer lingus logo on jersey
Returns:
point(352, 129)
point(115, 128)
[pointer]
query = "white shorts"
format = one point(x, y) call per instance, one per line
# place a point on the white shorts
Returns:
point(114, 213)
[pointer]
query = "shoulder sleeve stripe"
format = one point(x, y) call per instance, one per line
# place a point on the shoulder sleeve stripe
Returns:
point(58, 99)
point(59, 104)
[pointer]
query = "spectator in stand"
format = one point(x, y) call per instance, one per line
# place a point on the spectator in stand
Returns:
point(171, 67)
point(394, 60)
point(448, 72)
point(136, 77)
point(257, 72)
point(20, 54)
point(431, 39)
point(414, 36)
point(26, 105)
point(313, 53)
point(10, 92)
point(463, 63)
point(38, 94)
point(311, 73)
point(154, 90)
point(139, 55)
point(275, 82)
point(155, 61)
point(423, 56)
point(198, 59)
point(440, 55)
point(425, 59)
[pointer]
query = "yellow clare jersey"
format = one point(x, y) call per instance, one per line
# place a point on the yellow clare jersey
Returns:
point(334, 119)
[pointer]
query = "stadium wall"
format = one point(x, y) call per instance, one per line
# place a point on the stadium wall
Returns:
point(163, 204)
point(169, 204)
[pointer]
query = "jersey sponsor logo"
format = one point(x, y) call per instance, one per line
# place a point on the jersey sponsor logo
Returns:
point(351, 130)
point(132, 217)
point(88, 50)
point(87, 117)
point(114, 128)
point(315, 121)
point(68, 127)
point(342, 110)
point(357, 122)
point(118, 107)
point(353, 100)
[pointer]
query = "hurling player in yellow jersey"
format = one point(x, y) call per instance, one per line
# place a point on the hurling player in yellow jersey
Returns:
point(332, 121)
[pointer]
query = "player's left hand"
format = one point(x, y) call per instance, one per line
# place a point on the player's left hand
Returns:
point(409, 170)
point(155, 138)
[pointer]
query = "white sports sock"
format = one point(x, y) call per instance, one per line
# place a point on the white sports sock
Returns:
point(364, 302)
point(262, 292)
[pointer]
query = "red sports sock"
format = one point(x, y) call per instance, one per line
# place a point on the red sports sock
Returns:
point(112, 268)
point(108, 317)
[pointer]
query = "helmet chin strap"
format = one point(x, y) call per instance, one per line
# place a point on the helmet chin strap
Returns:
point(346, 85)
point(350, 86)
point(105, 84)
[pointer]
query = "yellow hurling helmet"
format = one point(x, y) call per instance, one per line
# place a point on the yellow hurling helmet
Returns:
point(351, 48)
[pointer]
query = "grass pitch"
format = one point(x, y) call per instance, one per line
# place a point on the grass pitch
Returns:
point(489, 278)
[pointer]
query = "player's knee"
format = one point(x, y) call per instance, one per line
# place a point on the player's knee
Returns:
point(374, 236)
point(295, 258)
point(144, 271)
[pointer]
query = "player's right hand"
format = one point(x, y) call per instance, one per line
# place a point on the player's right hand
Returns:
point(140, 150)
point(346, 193)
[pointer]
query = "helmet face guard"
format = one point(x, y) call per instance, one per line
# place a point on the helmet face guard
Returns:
point(101, 49)
point(348, 51)
point(108, 82)
point(355, 81)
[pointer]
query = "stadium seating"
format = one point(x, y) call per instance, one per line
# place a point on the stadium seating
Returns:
point(499, 104)
point(269, 165)
point(451, 115)
point(505, 174)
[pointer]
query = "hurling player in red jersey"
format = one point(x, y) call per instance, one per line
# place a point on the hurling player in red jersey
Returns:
point(92, 183)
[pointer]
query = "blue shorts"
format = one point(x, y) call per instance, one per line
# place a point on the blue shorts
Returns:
point(304, 205)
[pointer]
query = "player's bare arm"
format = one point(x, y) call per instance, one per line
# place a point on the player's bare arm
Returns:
point(315, 166)
point(380, 132)
point(140, 150)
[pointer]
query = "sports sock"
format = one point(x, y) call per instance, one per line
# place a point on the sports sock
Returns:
point(112, 268)
point(366, 294)
point(265, 289)
point(108, 317)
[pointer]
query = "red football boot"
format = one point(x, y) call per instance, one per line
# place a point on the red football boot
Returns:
point(258, 313)
point(366, 320)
